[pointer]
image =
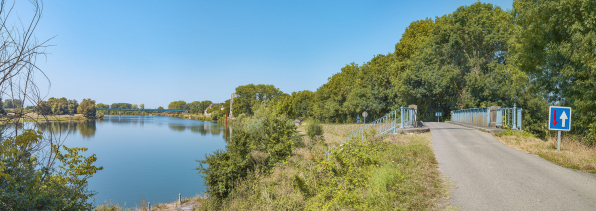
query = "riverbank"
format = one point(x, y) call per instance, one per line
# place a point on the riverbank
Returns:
point(33, 117)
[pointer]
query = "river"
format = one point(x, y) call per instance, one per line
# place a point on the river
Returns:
point(152, 157)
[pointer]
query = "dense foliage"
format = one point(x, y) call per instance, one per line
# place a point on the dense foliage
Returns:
point(258, 143)
point(57, 106)
point(27, 184)
point(87, 108)
point(12, 103)
point(556, 46)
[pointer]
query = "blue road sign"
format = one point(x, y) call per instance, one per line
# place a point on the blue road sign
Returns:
point(559, 118)
point(438, 113)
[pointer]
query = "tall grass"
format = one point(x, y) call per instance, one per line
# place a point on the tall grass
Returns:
point(384, 173)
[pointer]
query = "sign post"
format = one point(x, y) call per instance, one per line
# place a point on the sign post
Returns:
point(438, 115)
point(559, 119)
point(364, 114)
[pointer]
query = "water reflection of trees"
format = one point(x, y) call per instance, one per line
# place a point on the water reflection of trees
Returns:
point(201, 129)
point(86, 129)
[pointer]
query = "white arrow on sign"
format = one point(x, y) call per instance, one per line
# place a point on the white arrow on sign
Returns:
point(563, 118)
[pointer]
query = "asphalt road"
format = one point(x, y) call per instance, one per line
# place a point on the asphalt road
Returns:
point(489, 175)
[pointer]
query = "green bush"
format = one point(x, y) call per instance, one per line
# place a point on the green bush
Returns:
point(314, 129)
point(27, 184)
point(275, 137)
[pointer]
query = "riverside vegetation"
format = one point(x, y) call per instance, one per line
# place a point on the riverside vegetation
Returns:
point(271, 164)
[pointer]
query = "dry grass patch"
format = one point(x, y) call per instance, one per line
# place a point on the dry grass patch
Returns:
point(573, 154)
point(335, 133)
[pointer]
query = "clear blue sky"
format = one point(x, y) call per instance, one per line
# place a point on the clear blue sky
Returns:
point(155, 52)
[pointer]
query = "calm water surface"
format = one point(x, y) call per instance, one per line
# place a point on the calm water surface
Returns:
point(146, 156)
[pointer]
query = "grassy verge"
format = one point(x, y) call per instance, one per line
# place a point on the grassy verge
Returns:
point(385, 173)
point(573, 154)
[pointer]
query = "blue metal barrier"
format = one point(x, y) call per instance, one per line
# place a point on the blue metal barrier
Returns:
point(388, 123)
point(382, 125)
point(509, 117)
point(408, 117)
point(473, 116)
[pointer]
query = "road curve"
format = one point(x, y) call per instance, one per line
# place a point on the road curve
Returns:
point(489, 175)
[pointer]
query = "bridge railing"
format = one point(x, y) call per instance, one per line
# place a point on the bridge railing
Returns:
point(409, 117)
point(502, 117)
point(473, 116)
point(509, 117)
point(380, 126)
point(405, 118)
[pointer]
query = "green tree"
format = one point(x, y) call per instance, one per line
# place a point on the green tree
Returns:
point(87, 108)
point(283, 107)
point(12, 103)
point(203, 105)
point(101, 105)
point(555, 45)
point(2, 111)
point(142, 106)
point(461, 63)
point(249, 95)
point(301, 103)
point(177, 105)
point(72, 106)
point(194, 107)
point(160, 107)
point(43, 108)
point(121, 105)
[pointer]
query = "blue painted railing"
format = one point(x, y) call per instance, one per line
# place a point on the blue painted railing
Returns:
point(473, 116)
point(406, 118)
point(509, 117)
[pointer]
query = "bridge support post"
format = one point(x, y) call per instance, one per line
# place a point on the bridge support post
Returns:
point(119, 113)
point(402, 117)
point(413, 115)
point(493, 116)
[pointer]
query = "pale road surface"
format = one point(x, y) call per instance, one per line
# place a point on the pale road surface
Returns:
point(489, 175)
